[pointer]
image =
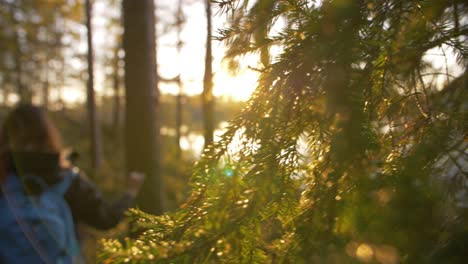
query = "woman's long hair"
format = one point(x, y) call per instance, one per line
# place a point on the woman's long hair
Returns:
point(27, 128)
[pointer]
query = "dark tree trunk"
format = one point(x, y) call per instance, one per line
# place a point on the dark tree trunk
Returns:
point(62, 76)
point(96, 151)
point(179, 23)
point(23, 92)
point(142, 138)
point(116, 86)
point(45, 91)
point(207, 95)
point(179, 120)
point(5, 90)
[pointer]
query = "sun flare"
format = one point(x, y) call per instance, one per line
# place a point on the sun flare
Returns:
point(238, 87)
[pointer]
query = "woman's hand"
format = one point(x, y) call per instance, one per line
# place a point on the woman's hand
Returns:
point(134, 182)
point(64, 162)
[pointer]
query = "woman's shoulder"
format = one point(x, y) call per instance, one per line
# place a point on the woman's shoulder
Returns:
point(12, 184)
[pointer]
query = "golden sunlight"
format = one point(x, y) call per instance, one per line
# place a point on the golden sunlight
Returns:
point(73, 96)
point(237, 87)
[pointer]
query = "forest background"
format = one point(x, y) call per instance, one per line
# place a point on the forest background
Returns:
point(45, 59)
point(351, 149)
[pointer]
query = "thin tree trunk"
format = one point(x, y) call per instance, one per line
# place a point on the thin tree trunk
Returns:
point(207, 95)
point(46, 84)
point(45, 91)
point(23, 92)
point(5, 90)
point(456, 17)
point(142, 138)
point(179, 98)
point(179, 120)
point(62, 75)
point(60, 99)
point(96, 152)
point(5, 95)
point(116, 87)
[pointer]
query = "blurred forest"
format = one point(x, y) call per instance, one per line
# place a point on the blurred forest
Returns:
point(68, 57)
point(352, 148)
point(45, 60)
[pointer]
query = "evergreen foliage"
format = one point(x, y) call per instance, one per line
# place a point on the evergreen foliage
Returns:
point(349, 150)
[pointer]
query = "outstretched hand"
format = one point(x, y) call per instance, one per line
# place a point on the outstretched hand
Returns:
point(134, 182)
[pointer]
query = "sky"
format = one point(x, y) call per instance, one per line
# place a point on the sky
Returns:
point(189, 63)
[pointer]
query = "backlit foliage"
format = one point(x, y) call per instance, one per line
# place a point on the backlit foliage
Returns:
point(352, 148)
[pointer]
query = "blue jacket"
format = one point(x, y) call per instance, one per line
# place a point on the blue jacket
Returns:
point(36, 228)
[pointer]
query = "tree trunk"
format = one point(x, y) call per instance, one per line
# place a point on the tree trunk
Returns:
point(179, 120)
point(179, 23)
point(142, 137)
point(45, 91)
point(207, 95)
point(116, 87)
point(23, 92)
point(5, 90)
point(60, 100)
point(96, 151)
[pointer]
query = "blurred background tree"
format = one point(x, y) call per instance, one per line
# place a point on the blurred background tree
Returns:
point(93, 117)
point(44, 60)
point(142, 121)
point(207, 94)
point(33, 46)
point(352, 148)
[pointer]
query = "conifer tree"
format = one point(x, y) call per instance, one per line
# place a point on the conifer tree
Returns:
point(351, 149)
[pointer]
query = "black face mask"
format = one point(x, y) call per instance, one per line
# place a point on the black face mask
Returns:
point(37, 170)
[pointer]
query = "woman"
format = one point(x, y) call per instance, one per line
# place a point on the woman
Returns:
point(41, 198)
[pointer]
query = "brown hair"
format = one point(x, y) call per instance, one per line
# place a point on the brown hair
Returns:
point(27, 128)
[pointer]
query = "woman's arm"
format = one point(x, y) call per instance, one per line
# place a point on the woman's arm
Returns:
point(89, 207)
